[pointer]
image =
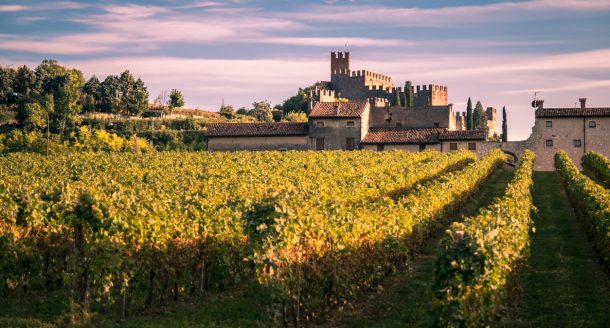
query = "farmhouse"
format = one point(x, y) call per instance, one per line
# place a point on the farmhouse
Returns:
point(574, 130)
point(362, 110)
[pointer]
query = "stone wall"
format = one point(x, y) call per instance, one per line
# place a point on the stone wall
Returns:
point(258, 143)
point(335, 132)
point(418, 117)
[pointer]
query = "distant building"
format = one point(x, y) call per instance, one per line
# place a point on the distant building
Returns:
point(574, 130)
point(364, 110)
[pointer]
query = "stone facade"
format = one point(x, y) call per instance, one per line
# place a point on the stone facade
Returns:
point(259, 143)
point(575, 131)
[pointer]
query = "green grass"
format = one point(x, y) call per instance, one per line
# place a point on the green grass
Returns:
point(563, 284)
point(406, 296)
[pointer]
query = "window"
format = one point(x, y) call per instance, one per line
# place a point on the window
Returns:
point(577, 143)
point(549, 124)
point(350, 124)
point(320, 124)
point(549, 142)
point(319, 143)
point(592, 124)
point(422, 147)
point(380, 147)
point(350, 143)
point(453, 146)
point(472, 146)
point(398, 124)
point(436, 125)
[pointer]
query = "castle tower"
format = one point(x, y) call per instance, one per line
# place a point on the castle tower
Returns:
point(339, 61)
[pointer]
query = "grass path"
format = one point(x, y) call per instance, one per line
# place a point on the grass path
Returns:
point(406, 296)
point(562, 284)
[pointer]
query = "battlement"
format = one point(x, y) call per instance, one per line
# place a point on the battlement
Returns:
point(431, 95)
point(339, 61)
point(431, 87)
point(378, 102)
point(379, 88)
point(339, 55)
point(323, 95)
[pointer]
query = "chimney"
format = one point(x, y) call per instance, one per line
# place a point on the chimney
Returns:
point(336, 110)
point(582, 102)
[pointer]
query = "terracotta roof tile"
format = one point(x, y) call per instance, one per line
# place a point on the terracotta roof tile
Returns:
point(463, 135)
point(257, 129)
point(352, 109)
point(398, 135)
point(573, 112)
point(429, 135)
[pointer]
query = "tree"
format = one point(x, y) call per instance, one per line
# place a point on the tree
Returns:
point(409, 95)
point(262, 111)
point(93, 88)
point(227, 110)
point(397, 97)
point(243, 111)
point(295, 117)
point(25, 82)
point(66, 94)
point(504, 125)
point(175, 100)
point(7, 79)
point(126, 86)
point(479, 117)
point(139, 99)
point(469, 118)
point(110, 100)
point(298, 102)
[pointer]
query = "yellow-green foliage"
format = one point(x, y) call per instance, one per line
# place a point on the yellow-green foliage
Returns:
point(170, 219)
point(590, 201)
point(317, 245)
point(477, 256)
point(599, 165)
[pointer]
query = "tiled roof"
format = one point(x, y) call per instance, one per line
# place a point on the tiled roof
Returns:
point(417, 136)
point(463, 135)
point(257, 129)
point(352, 109)
point(573, 112)
point(398, 135)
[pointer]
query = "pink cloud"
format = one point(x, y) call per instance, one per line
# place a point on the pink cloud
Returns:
point(10, 8)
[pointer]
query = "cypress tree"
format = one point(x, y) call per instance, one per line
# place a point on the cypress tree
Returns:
point(469, 118)
point(504, 125)
point(409, 96)
point(397, 98)
point(479, 117)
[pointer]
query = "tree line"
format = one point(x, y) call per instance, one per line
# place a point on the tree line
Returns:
point(51, 96)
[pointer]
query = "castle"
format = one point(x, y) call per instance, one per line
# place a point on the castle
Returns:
point(362, 110)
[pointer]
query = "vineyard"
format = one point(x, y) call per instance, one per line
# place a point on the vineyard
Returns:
point(310, 232)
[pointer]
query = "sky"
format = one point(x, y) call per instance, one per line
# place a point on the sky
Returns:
point(240, 51)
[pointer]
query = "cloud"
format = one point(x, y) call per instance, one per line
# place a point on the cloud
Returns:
point(445, 16)
point(336, 41)
point(10, 8)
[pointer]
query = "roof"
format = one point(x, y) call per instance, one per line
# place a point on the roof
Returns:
point(352, 109)
point(573, 112)
point(463, 135)
point(419, 136)
point(400, 135)
point(257, 129)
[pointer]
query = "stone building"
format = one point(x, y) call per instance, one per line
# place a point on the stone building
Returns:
point(364, 110)
point(574, 130)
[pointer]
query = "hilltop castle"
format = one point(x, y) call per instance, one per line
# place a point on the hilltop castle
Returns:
point(363, 110)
